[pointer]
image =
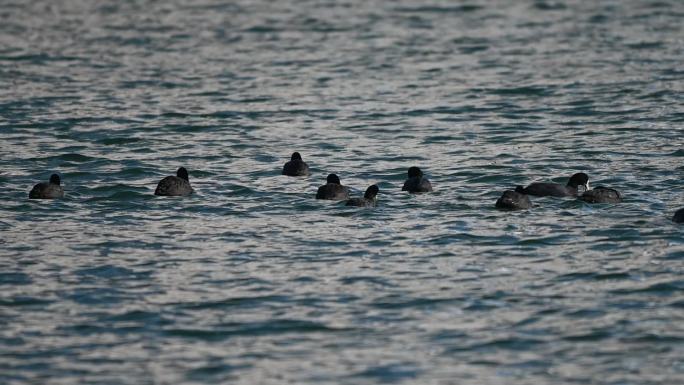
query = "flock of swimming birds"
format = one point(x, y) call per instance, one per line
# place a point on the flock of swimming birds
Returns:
point(517, 199)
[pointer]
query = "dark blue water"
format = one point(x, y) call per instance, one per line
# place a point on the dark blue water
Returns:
point(252, 281)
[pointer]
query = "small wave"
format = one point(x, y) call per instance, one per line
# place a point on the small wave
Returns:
point(236, 302)
point(593, 276)
point(646, 45)
point(596, 335)
point(401, 303)
point(23, 301)
point(40, 58)
point(125, 195)
point(391, 373)
point(109, 271)
point(14, 279)
point(440, 10)
point(71, 157)
point(513, 343)
point(549, 6)
point(282, 326)
point(661, 288)
point(118, 141)
point(522, 91)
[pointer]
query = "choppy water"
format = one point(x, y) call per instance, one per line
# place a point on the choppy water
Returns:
point(252, 281)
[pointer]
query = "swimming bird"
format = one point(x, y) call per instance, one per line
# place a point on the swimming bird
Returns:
point(296, 166)
point(556, 189)
point(178, 185)
point(513, 200)
point(368, 199)
point(50, 190)
point(333, 189)
point(416, 182)
point(601, 195)
point(678, 216)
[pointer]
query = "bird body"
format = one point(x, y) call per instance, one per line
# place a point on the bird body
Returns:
point(49, 190)
point(555, 189)
point(296, 166)
point(368, 199)
point(513, 200)
point(178, 185)
point(601, 195)
point(333, 189)
point(416, 182)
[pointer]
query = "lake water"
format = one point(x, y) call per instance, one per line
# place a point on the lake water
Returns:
point(253, 281)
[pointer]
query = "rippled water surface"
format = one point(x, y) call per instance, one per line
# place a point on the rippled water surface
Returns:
point(253, 281)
